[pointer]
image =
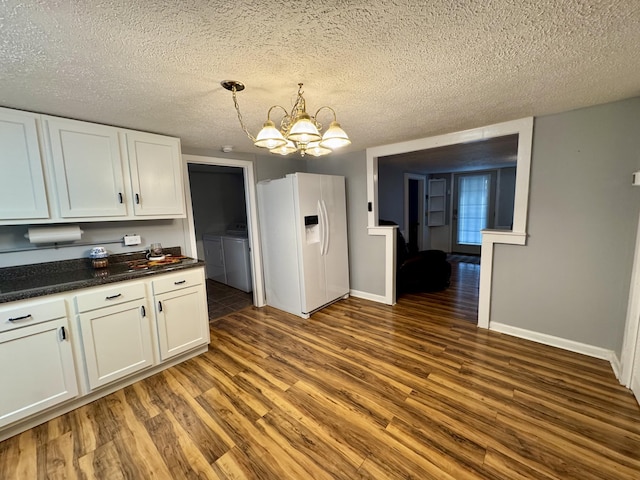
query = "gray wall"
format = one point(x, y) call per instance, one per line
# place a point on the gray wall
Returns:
point(269, 167)
point(391, 192)
point(366, 253)
point(218, 200)
point(506, 196)
point(572, 278)
point(108, 234)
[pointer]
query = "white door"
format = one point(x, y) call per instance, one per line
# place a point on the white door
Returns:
point(37, 369)
point(336, 256)
point(88, 168)
point(182, 320)
point(156, 174)
point(116, 342)
point(308, 195)
point(22, 190)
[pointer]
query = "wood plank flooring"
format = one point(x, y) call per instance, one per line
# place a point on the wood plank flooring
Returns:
point(359, 391)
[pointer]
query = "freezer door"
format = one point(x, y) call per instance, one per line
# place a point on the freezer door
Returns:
point(308, 196)
point(336, 256)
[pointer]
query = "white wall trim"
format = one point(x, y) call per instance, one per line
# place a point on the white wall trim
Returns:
point(517, 236)
point(572, 346)
point(368, 296)
point(252, 216)
point(389, 232)
point(489, 239)
point(632, 325)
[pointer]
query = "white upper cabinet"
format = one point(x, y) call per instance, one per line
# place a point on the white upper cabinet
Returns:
point(88, 168)
point(23, 194)
point(156, 174)
point(58, 170)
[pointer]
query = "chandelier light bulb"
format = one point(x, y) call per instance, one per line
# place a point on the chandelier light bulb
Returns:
point(269, 137)
point(335, 137)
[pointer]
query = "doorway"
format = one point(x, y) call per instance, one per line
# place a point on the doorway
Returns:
point(415, 212)
point(196, 245)
point(520, 132)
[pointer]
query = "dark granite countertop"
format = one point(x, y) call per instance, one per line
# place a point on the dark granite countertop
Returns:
point(36, 280)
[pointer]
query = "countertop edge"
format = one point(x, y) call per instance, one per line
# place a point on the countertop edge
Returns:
point(95, 282)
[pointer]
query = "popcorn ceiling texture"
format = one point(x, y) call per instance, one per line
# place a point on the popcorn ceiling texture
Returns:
point(394, 70)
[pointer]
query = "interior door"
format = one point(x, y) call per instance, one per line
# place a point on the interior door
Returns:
point(473, 210)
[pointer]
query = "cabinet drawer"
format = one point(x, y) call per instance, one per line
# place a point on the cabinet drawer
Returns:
point(175, 281)
point(21, 314)
point(106, 297)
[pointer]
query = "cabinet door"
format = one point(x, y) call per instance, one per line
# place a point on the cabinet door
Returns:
point(22, 190)
point(116, 342)
point(37, 369)
point(156, 175)
point(88, 168)
point(183, 321)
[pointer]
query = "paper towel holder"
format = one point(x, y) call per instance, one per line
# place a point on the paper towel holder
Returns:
point(58, 234)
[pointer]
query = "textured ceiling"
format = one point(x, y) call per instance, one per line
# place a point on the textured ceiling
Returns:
point(394, 70)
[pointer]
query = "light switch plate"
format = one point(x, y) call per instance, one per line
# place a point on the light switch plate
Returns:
point(132, 240)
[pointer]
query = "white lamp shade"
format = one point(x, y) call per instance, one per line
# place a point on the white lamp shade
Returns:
point(335, 137)
point(269, 137)
point(316, 149)
point(303, 130)
point(285, 149)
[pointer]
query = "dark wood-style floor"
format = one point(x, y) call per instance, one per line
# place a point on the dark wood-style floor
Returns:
point(359, 391)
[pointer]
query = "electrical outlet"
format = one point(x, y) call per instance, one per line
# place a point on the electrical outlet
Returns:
point(132, 240)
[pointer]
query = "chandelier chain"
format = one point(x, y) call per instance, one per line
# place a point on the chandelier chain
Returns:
point(244, 127)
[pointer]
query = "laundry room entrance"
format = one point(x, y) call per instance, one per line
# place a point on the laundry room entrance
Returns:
point(219, 208)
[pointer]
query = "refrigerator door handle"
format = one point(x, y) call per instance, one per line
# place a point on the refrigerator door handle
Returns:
point(325, 217)
point(322, 226)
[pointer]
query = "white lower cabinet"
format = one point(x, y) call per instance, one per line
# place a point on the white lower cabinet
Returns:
point(49, 365)
point(116, 334)
point(37, 371)
point(181, 309)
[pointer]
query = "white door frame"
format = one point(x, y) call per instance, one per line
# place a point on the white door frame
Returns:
point(629, 359)
point(516, 236)
point(252, 217)
point(422, 240)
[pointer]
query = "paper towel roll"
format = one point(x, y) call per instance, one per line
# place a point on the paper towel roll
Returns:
point(66, 233)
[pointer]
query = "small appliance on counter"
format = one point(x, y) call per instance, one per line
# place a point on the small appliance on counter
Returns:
point(99, 257)
point(155, 252)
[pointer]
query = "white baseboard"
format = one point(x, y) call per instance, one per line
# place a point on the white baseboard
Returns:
point(585, 349)
point(616, 365)
point(368, 296)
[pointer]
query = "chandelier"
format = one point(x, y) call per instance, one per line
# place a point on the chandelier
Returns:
point(298, 132)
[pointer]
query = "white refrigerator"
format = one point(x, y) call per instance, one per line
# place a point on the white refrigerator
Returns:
point(303, 231)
